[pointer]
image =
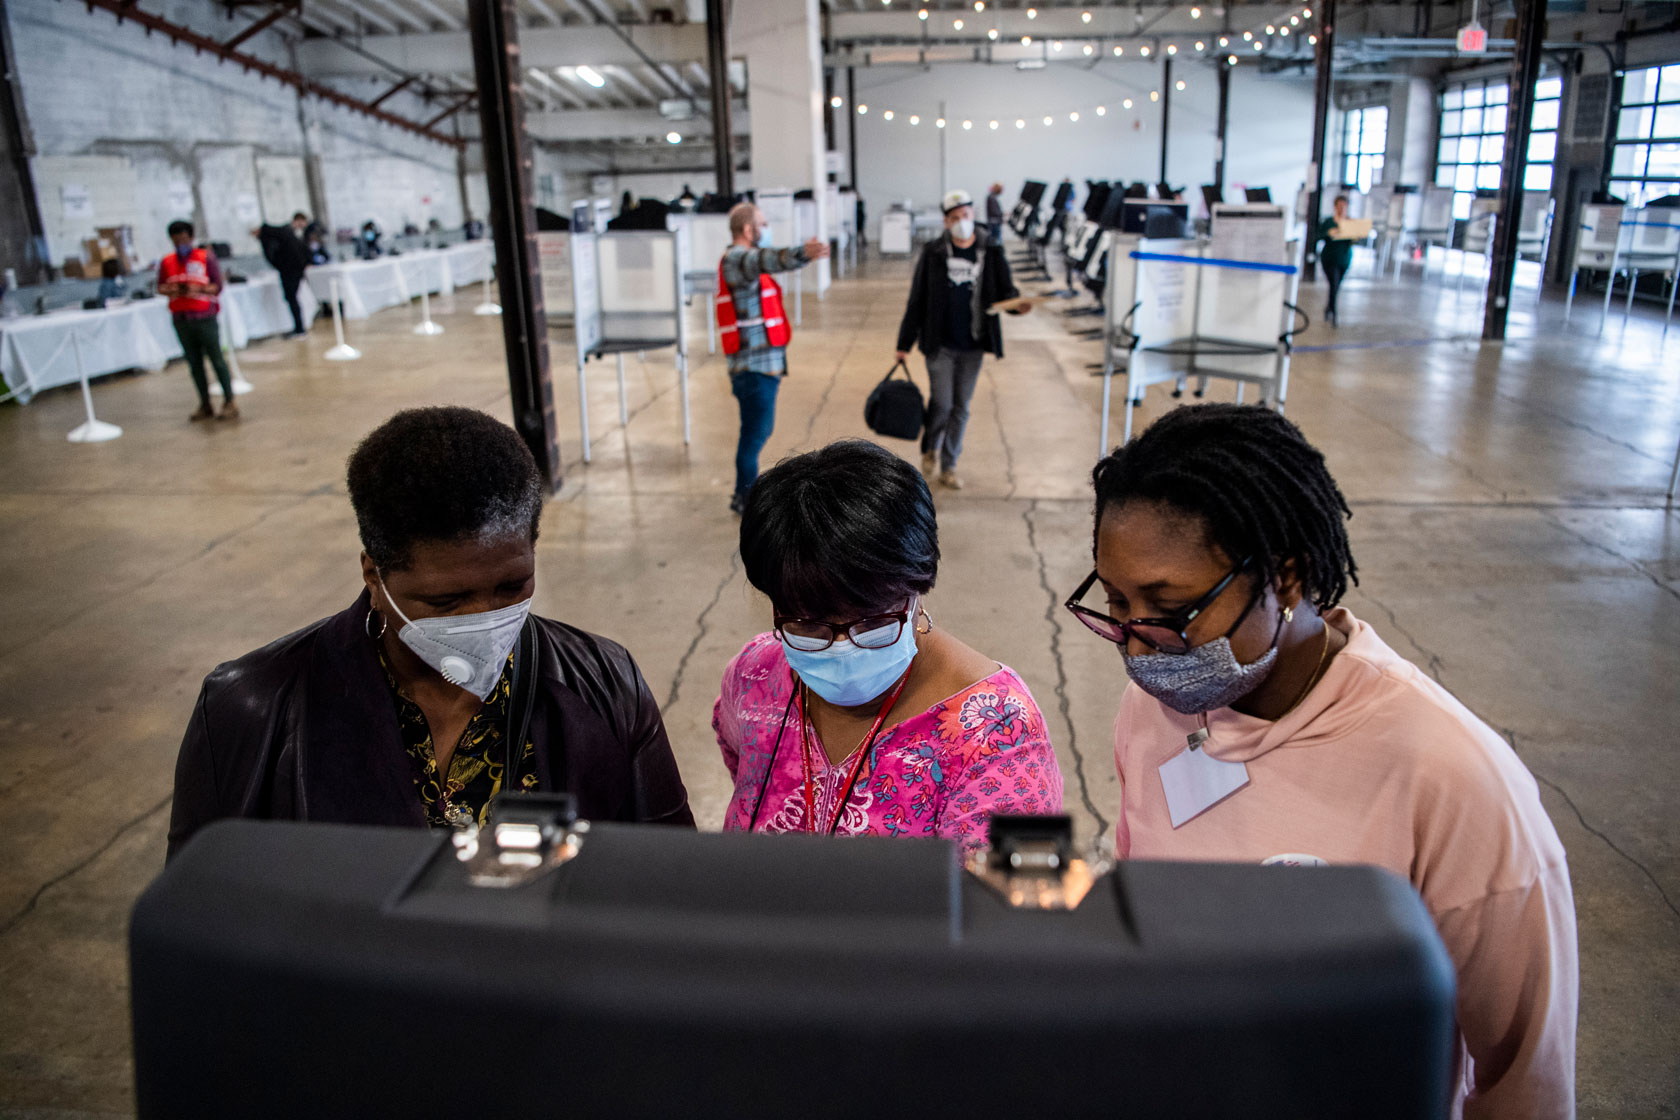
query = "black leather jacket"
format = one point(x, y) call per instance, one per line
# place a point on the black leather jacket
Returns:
point(924, 314)
point(304, 729)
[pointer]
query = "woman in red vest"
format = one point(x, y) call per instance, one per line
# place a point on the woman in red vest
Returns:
point(191, 279)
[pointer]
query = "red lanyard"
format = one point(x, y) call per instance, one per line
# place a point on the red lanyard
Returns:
point(857, 763)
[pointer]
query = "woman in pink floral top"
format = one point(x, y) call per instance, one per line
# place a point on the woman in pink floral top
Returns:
point(857, 715)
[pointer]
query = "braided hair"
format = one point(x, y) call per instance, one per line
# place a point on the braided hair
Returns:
point(1255, 482)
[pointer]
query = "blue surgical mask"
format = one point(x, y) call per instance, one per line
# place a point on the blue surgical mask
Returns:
point(847, 675)
point(183, 251)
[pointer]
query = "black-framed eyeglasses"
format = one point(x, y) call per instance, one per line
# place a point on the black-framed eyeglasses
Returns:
point(878, 631)
point(1164, 634)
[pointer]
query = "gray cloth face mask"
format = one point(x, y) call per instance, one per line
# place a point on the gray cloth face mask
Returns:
point(1206, 677)
point(467, 650)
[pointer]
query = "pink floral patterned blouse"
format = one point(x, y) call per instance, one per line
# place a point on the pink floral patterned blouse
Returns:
point(939, 773)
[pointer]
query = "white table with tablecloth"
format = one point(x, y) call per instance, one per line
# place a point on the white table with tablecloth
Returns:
point(40, 352)
point(365, 287)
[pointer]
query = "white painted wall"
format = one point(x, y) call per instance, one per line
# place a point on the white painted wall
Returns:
point(129, 115)
point(1270, 128)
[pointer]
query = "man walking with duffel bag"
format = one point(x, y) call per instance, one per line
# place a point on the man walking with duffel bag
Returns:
point(958, 279)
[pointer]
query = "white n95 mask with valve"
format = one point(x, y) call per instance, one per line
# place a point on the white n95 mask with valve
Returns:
point(467, 650)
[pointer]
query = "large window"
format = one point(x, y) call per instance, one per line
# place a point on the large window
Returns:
point(1364, 142)
point(1473, 138)
point(1646, 162)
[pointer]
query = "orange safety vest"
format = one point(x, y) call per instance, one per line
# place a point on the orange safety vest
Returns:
point(195, 270)
point(771, 317)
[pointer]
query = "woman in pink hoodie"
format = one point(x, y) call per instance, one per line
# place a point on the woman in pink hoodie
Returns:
point(1264, 723)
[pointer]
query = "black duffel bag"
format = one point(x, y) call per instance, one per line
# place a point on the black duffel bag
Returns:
point(895, 408)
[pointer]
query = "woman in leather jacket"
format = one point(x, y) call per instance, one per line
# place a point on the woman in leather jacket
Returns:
point(400, 709)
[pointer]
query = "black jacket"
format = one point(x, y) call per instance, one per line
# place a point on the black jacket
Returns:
point(284, 249)
point(924, 316)
point(305, 729)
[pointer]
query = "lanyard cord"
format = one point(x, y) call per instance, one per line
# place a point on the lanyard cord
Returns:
point(864, 750)
point(770, 767)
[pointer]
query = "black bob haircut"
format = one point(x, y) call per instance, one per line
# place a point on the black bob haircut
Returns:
point(1252, 479)
point(441, 474)
point(179, 226)
point(842, 532)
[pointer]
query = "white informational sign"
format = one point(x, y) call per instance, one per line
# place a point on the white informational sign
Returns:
point(247, 208)
point(1248, 232)
point(1165, 294)
point(586, 297)
point(180, 195)
point(76, 201)
point(779, 213)
point(554, 253)
point(603, 214)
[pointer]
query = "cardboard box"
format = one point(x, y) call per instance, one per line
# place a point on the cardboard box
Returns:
point(121, 241)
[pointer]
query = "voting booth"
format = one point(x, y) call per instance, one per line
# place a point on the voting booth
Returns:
point(1224, 308)
point(626, 295)
point(565, 968)
point(702, 239)
point(1611, 239)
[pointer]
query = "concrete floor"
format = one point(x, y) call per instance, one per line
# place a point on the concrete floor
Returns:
point(1509, 526)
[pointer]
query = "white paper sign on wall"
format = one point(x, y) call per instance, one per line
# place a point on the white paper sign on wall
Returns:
point(245, 206)
point(76, 200)
point(180, 197)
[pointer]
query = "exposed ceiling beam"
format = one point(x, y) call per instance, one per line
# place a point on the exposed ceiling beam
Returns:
point(647, 95)
point(280, 11)
point(401, 14)
point(361, 18)
point(546, 12)
point(447, 18)
point(594, 125)
point(544, 47)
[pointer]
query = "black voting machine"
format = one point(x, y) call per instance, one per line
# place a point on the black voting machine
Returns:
point(286, 970)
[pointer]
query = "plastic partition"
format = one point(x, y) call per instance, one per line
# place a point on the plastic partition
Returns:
point(640, 300)
point(554, 254)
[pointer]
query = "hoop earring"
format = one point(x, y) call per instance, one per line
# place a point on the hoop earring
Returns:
point(367, 624)
point(926, 617)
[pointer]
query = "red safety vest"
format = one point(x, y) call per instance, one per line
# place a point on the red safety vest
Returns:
point(196, 270)
point(771, 317)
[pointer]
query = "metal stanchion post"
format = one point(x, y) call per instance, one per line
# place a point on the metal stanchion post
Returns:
point(343, 352)
point(489, 306)
point(425, 325)
point(92, 430)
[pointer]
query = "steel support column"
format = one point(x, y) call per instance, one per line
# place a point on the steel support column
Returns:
point(851, 128)
point(1525, 68)
point(1166, 110)
point(1321, 125)
point(1221, 124)
point(717, 67)
point(513, 222)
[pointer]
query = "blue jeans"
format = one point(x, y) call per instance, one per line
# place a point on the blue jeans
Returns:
point(757, 394)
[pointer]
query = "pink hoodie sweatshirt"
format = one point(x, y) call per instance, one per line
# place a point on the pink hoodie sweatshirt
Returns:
point(1381, 765)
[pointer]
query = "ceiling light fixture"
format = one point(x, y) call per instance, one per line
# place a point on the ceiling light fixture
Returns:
point(589, 75)
point(673, 138)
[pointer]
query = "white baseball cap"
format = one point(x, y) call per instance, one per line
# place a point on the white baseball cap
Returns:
point(954, 199)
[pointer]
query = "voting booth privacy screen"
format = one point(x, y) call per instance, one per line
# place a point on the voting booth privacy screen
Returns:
point(286, 970)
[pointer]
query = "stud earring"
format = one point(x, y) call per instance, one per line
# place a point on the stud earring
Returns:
point(1289, 614)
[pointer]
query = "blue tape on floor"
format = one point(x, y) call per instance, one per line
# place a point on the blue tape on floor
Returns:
point(1385, 345)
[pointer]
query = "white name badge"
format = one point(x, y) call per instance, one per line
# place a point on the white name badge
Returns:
point(1195, 783)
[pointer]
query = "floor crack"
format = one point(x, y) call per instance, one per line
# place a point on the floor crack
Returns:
point(1003, 435)
point(29, 907)
point(1053, 617)
point(700, 632)
point(1511, 738)
point(1433, 663)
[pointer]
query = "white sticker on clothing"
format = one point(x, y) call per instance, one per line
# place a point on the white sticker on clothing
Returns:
point(1195, 783)
point(1294, 859)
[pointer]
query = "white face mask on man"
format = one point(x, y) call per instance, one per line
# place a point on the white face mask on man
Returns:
point(467, 650)
point(963, 229)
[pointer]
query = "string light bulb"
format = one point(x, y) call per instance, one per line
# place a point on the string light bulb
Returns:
point(1032, 13)
point(957, 24)
point(1313, 39)
point(1026, 40)
point(1056, 46)
point(992, 34)
point(1257, 44)
point(979, 5)
point(915, 120)
point(862, 109)
point(940, 123)
point(1224, 41)
point(1048, 121)
point(1283, 31)
point(1019, 123)
point(1294, 21)
point(1102, 110)
point(1200, 45)
point(1154, 95)
point(994, 125)
point(1247, 35)
point(1179, 85)
point(836, 102)
point(967, 125)
point(1118, 51)
point(1172, 48)
point(1231, 60)
point(1084, 17)
point(922, 14)
point(1074, 117)
point(1306, 13)
point(1195, 13)
point(1089, 50)
point(1144, 51)
point(888, 115)
point(673, 138)
point(1271, 30)
point(1126, 104)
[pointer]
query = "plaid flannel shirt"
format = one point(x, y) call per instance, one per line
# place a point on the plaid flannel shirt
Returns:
point(741, 270)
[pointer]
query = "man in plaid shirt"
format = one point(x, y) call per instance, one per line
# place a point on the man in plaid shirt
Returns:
point(757, 368)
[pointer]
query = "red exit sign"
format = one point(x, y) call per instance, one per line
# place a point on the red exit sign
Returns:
point(1472, 39)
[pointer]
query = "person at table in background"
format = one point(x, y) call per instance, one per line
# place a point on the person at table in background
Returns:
point(755, 331)
point(192, 280)
point(994, 213)
point(855, 714)
point(957, 280)
point(1335, 253)
point(1219, 541)
point(437, 688)
point(286, 249)
point(111, 285)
